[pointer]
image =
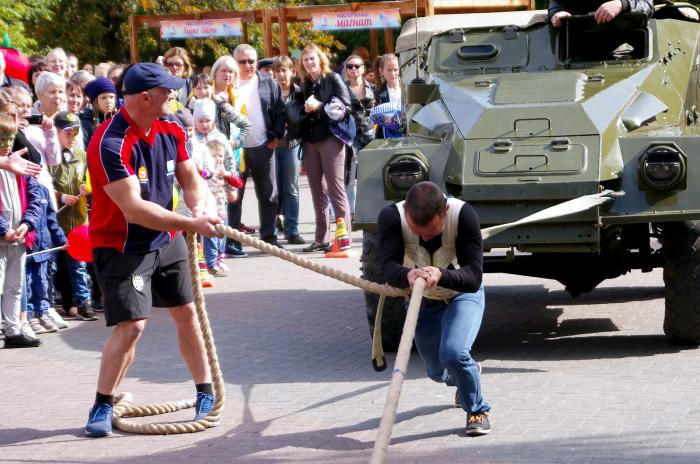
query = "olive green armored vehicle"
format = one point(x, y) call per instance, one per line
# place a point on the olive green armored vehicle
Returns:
point(514, 116)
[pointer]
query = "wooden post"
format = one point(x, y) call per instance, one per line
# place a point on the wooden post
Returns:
point(284, 32)
point(244, 30)
point(388, 40)
point(267, 32)
point(373, 43)
point(430, 8)
point(133, 40)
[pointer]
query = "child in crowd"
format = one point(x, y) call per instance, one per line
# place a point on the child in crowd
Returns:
point(19, 215)
point(220, 189)
point(39, 281)
point(202, 88)
point(205, 132)
point(102, 95)
point(69, 182)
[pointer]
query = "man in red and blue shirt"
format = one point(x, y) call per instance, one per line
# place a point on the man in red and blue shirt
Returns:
point(140, 259)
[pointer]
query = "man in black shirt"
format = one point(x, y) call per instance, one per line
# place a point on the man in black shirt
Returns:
point(439, 239)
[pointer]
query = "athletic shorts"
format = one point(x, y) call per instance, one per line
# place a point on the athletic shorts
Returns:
point(133, 283)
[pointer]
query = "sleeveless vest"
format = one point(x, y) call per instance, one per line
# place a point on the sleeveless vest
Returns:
point(417, 256)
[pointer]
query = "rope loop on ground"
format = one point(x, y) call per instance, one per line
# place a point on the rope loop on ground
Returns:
point(123, 410)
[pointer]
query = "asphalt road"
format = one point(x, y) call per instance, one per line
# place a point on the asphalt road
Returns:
point(570, 380)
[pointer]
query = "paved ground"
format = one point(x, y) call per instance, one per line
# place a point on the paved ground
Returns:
point(586, 380)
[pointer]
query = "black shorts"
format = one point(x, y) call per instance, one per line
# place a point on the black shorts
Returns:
point(132, 283)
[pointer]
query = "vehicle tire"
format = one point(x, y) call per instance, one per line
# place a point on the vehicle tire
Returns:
point(394, 312)
point(681, 258)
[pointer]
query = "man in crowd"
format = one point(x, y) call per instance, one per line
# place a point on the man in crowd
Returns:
point(265, 110)
point(139, 260)
point(421, 237)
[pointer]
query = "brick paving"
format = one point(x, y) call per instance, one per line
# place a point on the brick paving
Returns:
point(584, 380)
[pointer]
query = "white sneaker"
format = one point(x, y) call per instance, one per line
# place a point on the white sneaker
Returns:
point(58, 321)
point(48, 324)
point(27, 330)
point(36, 326)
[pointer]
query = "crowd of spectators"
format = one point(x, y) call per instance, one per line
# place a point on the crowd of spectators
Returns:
point(267, 119)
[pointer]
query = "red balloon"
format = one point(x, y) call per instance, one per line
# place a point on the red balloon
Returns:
point(79, 244)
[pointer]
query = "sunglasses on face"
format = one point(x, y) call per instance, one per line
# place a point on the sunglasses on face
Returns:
point(174, 64)
point(242, 62)
point(354, 66)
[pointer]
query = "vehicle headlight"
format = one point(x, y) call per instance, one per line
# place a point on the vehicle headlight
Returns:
point(663, 167)
point(402, 173)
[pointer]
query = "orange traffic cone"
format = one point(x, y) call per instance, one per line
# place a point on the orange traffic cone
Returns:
point(204, 276)
point(341, 243)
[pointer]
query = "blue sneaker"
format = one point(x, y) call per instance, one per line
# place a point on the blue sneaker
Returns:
point(204, 405)
point(100, 421)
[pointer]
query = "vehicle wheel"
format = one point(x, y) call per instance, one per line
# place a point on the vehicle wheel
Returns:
point(681, 255)
point(394, 312)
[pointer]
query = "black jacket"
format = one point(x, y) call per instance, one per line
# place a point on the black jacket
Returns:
point(272, 106)
point(581, 7)
point(360, 111)
point(294, 96)
point(315, 125)
point(32, 153)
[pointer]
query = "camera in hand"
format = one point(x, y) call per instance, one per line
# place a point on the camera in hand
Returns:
point(35, 119)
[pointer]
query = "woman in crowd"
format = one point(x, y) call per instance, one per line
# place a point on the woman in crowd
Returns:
point(58, 62)
point(362, 100)
point(224, 74)
point(287, 153)
point(324, 153)
point(51, 93)
point(389, 91)
point(115, 72)
point(75, 97)
point(35, 69)
point(177, 60)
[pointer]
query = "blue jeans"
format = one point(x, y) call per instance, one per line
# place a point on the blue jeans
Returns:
point(78, 275)
point(37, 288)
point(212, 248)
point(445, 334)
point(288, 187)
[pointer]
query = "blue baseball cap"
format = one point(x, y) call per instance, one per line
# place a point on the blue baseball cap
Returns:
point(143, 76)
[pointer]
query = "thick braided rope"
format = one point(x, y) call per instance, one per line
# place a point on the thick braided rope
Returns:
point(123, 408)
point(380, 289)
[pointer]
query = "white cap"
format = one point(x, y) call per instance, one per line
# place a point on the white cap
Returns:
point(204, 109)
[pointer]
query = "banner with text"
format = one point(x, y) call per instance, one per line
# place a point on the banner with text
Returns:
point(376, 19)
point(197, 29)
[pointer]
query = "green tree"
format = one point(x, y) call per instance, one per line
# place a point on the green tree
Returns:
point(16, 17)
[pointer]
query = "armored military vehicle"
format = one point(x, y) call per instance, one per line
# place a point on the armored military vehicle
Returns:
point(515, 116)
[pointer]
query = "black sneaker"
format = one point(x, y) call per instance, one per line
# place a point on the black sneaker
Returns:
point(478, 424)
point(21, 341)
point(85, 313)
point(296, 240)
point(324, 247)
